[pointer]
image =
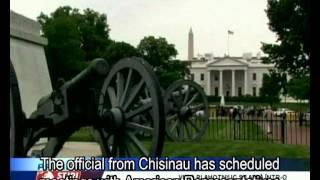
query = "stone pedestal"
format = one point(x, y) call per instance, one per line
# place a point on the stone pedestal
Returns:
point(29, 61)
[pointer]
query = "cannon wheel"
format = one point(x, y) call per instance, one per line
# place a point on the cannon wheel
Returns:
point(131, 90)
point(16, 117)
point(187, 114)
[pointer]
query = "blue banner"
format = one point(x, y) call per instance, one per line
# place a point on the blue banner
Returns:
point(158, 164)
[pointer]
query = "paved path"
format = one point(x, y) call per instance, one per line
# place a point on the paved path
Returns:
point(72, 149)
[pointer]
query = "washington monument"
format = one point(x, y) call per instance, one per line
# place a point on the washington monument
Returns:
point(190, 45)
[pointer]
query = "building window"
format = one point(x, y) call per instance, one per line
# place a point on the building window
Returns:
point(216, 91)
point(254, 91)
point(254, 76)
point(239, 91)
point(192, 76)
point(216, 77)
point(202, 77)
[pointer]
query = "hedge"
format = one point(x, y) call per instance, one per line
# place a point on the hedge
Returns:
point(246, 98)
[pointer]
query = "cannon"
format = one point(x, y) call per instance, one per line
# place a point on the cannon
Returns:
point(186, 111)
point(186, 107)
point(129, 104)
point(111, 112)
point(186, 115)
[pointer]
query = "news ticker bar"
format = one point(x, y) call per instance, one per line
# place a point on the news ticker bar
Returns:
point(164, 175)
point(159, 164)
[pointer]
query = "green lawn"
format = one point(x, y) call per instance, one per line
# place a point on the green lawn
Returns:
point(216, 148)
point(210, 147)
point(84, 134)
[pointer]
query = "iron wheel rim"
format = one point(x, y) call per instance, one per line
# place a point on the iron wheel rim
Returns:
point(124, 88)
point(183, 93)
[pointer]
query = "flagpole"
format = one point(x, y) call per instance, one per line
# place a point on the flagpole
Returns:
point(228, 45)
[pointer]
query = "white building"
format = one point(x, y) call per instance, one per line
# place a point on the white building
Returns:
point(228, 76)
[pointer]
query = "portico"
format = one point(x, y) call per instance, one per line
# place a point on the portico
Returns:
point(227, 81)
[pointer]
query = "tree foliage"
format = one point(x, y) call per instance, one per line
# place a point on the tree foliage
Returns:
point(119, 50)
point(289, 19)
point(172, 71)
point(157, 51)
point(94, 33)
point(73, 39)
point(299, 88)
point(160, 54)
point(271, 87)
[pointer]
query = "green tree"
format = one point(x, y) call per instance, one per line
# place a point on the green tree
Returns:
point(94, 33)
point(299, 87)
point(289, 19)
point(172, 71)
point(64, 54)
point(271, 86)
point(73, 39)
point(118, 50)
point(161, 55)
point(157, 51)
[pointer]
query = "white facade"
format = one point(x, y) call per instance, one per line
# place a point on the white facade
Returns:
point(230, 76)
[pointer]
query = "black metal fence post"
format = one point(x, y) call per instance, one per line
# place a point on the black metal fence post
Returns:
point(283, 128)
point(300, 119)
point(234, 128)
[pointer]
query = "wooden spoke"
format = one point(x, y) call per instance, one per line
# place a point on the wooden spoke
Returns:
point(126, 89)
point(192, 99)
point(193, 125)
point(139, 127)
point(112, 96)
point(140, 110)
point(188, 132)
point(139, 145)
point(133, 94)
point(181, 131)
point(120, 86)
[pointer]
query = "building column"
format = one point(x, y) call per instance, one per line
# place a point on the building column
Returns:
point(209, 83)
point(233, 83)
point(245, 82)
point(220, 82)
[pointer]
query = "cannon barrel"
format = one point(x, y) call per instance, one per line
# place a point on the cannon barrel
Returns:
point(98, 67)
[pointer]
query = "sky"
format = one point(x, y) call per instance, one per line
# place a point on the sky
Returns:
point(210, 20)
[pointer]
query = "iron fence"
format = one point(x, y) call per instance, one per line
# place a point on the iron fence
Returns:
point(289, 129)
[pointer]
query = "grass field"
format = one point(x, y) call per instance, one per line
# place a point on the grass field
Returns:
point(213, 147)
point(227, 148)
point(84, 134)
point(216, 130)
